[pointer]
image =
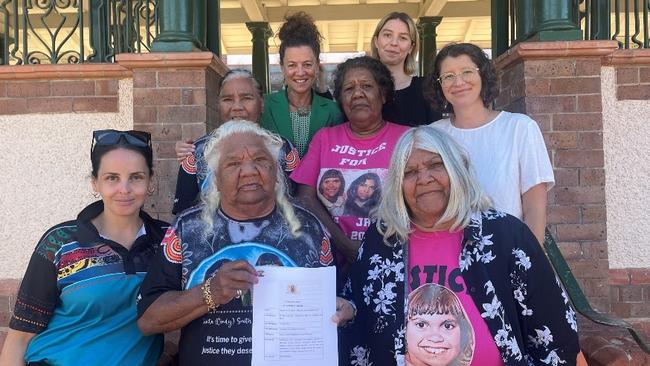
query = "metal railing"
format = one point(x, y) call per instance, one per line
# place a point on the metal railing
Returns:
point(628, 18)
point(626, 21)
point(64, 31)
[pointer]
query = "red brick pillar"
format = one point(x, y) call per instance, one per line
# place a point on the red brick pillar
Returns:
point(558, 85)
point(174, 98)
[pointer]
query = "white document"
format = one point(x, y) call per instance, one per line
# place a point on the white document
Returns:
point(292, 311)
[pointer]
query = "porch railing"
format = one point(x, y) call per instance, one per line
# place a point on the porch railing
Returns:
point(626, 21)
point(74, 31)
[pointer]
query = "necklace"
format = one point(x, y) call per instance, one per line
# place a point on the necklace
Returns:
point(303, 111)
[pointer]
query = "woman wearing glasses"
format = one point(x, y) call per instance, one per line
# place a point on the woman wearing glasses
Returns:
point(507, 149)
point(77, 301)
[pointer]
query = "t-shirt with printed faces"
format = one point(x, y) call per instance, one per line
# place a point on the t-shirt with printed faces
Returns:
point(348, 173)
point(443, 324)
point(508, 155)
point(190, 254)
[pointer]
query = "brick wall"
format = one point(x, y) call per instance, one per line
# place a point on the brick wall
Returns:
point(559, 85)
point(174, 98)
point(58, 96)
point(59, 88)
point(563, 95)
point(633, 82)
point(630, 287)
point(630, 292)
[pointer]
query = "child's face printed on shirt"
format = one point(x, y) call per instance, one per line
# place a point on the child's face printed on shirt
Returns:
point(433, 340)
point(331, 187)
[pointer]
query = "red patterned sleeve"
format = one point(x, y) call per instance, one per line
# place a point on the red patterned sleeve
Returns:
point(165, 272)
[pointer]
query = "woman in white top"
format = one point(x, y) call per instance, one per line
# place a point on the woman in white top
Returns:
point(507, 149)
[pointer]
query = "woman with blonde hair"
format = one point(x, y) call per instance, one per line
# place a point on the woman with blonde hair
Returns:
point(395, 43)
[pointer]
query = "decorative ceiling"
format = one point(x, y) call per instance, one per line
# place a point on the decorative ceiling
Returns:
point(347, 25)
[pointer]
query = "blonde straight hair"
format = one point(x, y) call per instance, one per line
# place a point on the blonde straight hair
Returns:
point(410, 66)
point(273, 144)
point(465, 196)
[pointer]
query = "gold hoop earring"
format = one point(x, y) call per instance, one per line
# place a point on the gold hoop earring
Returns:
point(150, 191)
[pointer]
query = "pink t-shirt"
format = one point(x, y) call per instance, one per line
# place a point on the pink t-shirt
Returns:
point(434, 280)
point(348, 172)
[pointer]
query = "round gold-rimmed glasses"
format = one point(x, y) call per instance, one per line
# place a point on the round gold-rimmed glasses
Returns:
point(465, 75)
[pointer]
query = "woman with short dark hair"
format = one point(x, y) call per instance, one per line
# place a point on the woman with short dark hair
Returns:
point(507, 149)
point(362, 86)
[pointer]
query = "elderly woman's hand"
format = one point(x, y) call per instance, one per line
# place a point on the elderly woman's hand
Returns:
point(231, 277)
point(345, 311)
point(184, 149)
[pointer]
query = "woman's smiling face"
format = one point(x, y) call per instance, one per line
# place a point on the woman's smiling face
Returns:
point(331, 187)
point(393, 42)
point(299, 67)
point(464, 91)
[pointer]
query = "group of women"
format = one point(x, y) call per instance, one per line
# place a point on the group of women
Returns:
point(436, 263)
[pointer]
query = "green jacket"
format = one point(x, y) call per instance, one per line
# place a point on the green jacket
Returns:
point(324, 112)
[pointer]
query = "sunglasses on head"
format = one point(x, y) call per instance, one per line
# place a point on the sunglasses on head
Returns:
point(113, 137)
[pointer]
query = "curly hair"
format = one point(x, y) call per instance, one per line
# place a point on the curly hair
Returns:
point(379, 72)
point(489, 88)
point(410, 65)
point(299, 30)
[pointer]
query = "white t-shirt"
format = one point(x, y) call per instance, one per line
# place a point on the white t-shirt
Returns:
point(509, 157)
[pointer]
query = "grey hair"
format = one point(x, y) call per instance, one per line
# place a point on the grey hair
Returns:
point(241, 74)
point(465, 196)
point(273, 144)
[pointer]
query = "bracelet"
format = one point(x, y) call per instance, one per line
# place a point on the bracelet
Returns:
point(207, 295)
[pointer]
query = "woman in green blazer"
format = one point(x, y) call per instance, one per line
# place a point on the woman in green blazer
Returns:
point(324, 112)
point(297, 112)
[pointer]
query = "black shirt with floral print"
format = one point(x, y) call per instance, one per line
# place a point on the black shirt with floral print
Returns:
point(508, 277)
